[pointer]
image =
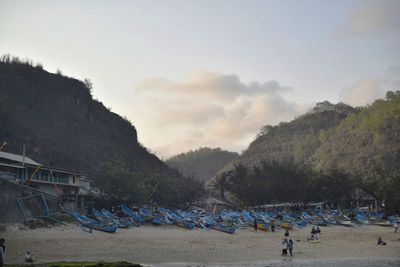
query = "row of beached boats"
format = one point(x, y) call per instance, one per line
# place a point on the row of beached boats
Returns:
point(226, 221)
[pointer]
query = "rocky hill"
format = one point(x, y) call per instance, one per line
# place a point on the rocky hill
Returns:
point(202, 163)
point(62, 126)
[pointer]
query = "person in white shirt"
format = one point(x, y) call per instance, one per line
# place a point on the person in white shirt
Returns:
point(28, 257)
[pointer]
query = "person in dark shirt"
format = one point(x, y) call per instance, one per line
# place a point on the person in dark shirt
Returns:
point(286, 233)
point(2, 251)
point(290, 247)
point(313, 231)
point(255, 225)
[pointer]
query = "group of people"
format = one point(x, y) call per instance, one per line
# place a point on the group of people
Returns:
point(287, 244)
point(28, 255)
point(315, 233)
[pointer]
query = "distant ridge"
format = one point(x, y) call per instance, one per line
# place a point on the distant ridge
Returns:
point(202, 163)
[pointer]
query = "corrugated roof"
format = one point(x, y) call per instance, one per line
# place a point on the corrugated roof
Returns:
point(12, 165)
point(17, 158)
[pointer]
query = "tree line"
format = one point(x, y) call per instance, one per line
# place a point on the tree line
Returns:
point(120, 185)
point(278, 182)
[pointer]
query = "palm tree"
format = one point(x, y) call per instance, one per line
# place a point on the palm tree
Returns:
point(222, 181)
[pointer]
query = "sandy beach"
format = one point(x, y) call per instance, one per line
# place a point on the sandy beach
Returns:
point(173, 246)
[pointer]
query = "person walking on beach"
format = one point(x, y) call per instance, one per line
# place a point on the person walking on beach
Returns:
point(290, 247)
point(272, 226)
point(2, 251)
point(284, 246)
point(255, 225)
point(286, 233)
point(396, 226)
point(3, 244)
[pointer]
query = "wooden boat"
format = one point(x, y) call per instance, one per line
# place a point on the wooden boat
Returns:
point(93, 224)
point(319, 222)
point(103, 219)
point(223, 228)
point(134, 216)
point(345, 223)
point(263, 226)
point(121, 223)
point(286, 225)
point(186, 225)
point(385, 224)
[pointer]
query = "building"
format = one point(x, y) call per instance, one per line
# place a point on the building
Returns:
point(212, 204)
point(23, 170)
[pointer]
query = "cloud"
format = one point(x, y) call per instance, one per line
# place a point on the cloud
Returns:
point(210, 84)
point(212, 109)
point(367, 90)
point(370, 17)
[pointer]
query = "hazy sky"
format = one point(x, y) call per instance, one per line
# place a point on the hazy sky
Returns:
point(211, 73)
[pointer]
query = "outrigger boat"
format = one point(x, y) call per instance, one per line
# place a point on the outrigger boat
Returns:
point(223, 228)
point(88, 224)
point(121, 223)
point(134, 216)
point(150, 217)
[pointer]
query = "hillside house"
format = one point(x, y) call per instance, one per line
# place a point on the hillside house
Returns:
point(23, 170)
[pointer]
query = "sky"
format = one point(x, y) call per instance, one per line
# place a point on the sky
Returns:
point(200, 73)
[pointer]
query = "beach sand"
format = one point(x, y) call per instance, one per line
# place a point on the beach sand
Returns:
point(173, 246)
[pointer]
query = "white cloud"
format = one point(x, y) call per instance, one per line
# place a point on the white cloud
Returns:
point(367, 90)
point(211, 109)
point(371, 16)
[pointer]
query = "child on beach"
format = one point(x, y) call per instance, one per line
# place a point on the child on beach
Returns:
point(290, 247)
point(380, 241)
point(311, 238)
point(396, 226)
point(284, 246)
point(28, 257)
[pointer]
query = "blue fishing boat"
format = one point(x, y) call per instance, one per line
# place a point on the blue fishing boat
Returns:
point(223, 228)
point(92, 224)
point(121, 223)
point(133, 215)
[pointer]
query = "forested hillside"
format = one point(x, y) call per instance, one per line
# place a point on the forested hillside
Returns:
point(358, 141)
point(364, 143)
point(360, 145)
point(202, 163)
point(297, 140)
point(62, 126)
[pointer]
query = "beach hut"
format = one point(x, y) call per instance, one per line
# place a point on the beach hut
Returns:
point(213, 204)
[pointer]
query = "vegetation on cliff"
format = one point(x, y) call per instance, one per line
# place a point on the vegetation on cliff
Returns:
point(62, 126)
